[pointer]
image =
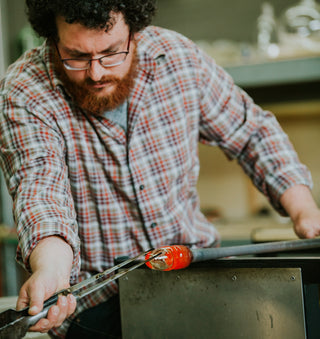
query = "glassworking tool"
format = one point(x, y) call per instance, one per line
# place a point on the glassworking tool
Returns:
point(179, 256)
point(15, 324)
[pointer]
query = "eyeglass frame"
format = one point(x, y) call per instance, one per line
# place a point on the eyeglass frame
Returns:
point(89, 61)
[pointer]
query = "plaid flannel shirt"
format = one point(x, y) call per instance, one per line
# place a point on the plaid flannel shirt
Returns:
point(110, 193)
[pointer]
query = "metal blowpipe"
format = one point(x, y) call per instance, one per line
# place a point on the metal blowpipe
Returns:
point(179, 256)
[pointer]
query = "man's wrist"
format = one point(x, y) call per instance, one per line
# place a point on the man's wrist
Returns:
point(52, 253)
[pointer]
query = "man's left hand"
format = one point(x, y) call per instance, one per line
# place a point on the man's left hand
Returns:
point(303, 211)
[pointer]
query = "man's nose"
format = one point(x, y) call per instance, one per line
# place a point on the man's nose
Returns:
point(96, 71)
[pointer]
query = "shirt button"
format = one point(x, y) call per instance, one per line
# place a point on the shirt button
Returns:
point(153, 225)
point(141, 187)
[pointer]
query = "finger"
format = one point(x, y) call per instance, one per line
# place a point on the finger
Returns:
point(72, 304)
point(305, 234)
point(46, 324)
point(37, 296)
point(63, 310)
point(23, 300)
point(307, 231)
point(43, 325)
point(313, 232)
point(56, 314)
point(67, 306)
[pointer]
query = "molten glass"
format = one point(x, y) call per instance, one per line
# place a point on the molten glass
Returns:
point(173, 257)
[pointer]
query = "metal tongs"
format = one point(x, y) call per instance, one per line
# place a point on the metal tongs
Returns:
point(15, 324)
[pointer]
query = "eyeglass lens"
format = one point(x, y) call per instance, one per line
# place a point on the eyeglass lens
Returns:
point(106, 61)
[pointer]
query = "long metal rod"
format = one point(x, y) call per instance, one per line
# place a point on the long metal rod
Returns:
point(202, 254)
point(79, 293)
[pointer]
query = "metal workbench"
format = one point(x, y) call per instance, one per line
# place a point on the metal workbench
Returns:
point(231, 298)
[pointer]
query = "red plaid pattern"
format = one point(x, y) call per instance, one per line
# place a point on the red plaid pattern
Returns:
point(110, 194)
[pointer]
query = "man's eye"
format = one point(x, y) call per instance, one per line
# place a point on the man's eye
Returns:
point(111, 52)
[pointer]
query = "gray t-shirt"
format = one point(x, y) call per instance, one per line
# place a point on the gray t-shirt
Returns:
point(119, 115)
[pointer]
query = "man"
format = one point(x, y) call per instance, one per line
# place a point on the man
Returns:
point(99, 135)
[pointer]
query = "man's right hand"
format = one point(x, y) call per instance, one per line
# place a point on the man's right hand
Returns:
point(51, 273)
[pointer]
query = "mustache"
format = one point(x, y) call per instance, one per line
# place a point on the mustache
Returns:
point(103, 81)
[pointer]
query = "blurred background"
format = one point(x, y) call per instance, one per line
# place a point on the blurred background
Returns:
point(272, 50)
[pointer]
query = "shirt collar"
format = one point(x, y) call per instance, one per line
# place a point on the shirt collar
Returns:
point(149, 44)
point(47, 53)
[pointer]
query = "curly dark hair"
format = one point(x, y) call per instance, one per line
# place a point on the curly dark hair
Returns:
point(93, 14)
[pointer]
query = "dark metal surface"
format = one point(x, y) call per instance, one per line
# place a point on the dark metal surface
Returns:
point(158, 303)
point(310, 266)
point(213, 302)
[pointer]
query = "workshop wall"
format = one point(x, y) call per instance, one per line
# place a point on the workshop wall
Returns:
point(198, 20)
point(223, 187)
point(218, 19)
point(225, 190)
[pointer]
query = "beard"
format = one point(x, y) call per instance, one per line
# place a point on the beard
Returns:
point(88, 100)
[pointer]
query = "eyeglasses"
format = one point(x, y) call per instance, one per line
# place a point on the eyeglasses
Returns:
point(108, 60)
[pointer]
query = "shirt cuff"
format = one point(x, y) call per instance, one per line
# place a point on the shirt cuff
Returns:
point(30, 239)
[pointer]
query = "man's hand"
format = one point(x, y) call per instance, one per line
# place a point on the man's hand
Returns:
point(303, 211)
point(307, 223)
point(51, 264)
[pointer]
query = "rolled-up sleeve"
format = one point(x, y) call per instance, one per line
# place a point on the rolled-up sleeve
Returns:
point(249, 134)
point(32, 157)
